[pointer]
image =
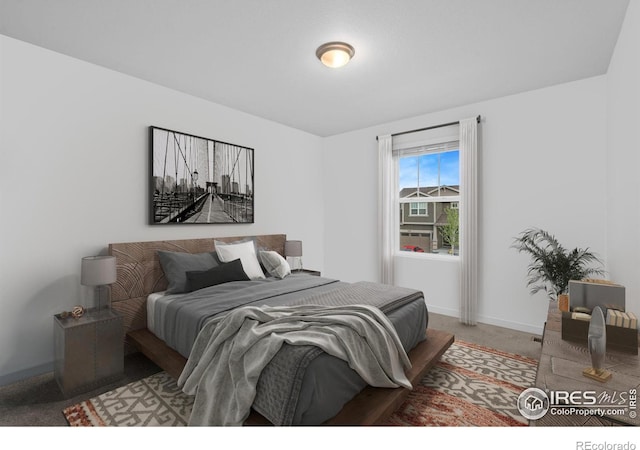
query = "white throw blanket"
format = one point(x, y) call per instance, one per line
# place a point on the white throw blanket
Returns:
point(229, 355)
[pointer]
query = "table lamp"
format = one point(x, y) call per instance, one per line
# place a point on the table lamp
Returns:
point(100, 272)
point(293, 250)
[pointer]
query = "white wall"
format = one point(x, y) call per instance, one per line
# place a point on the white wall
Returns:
point(74, 176)
point(623, 159)
point(541, 164)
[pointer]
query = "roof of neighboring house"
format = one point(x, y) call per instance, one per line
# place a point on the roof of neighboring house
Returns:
point(429, 191)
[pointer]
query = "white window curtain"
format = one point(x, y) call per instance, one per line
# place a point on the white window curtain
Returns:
point(388, 206)
point(469, 220)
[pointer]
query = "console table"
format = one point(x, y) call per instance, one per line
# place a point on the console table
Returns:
point(560, 369)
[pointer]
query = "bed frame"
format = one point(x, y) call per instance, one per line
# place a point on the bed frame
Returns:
point(140, 274)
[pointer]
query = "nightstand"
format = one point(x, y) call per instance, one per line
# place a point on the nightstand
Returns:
point(89, 351)
point(309, 271)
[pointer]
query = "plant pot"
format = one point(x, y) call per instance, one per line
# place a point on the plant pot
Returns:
point(563, 302)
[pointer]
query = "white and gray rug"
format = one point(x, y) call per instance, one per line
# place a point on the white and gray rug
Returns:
point(471, 385)
point(152, 401)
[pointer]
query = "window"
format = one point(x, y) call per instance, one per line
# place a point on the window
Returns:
point(403, 179)
point(418, 209)
point(431, 174)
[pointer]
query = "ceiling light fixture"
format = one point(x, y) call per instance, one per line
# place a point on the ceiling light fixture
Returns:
point(335, 54)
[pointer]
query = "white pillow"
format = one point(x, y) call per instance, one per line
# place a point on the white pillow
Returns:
point(246, 251)
point(275, 264)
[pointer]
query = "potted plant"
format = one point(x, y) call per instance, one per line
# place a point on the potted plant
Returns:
point(552, 266)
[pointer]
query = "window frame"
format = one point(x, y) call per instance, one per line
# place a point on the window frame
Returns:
point(418, 214)
point(419, 147)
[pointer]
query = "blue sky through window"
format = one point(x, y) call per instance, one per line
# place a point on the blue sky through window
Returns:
point(425, 167)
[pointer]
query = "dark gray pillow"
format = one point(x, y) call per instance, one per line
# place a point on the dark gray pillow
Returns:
point(176, 265)
point(224, 273)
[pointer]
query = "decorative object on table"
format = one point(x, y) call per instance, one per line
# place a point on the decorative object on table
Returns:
point(77, 312)
point(99, 272)
point(575, 327)
point(622, 319)
point(552, 266)
point(597, 342)
point(199, 180)
point(590, 293)
point(581, 316)
point(293, 252)
point(584, 296)
point(563, 302)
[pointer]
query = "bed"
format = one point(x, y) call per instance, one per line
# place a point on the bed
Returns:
point(327, 390)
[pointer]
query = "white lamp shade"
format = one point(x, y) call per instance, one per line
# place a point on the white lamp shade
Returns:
point(293, 248)
point(98, 270)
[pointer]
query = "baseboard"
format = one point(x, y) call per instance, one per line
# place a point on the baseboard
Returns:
point(526, 328)
point(444, 311)
point(14, 377)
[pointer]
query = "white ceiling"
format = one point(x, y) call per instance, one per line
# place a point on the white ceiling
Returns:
point(258, 56)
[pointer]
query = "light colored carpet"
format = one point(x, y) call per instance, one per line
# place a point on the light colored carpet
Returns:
point(505, 339)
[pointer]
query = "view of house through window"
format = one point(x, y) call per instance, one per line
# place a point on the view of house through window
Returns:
point(429, 190)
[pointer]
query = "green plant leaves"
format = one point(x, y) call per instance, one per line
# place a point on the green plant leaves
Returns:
point(552, 266)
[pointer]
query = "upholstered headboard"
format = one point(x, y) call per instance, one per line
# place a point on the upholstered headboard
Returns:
point(140, 273)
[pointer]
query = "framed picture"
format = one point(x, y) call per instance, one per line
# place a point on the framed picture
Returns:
point(199, 180)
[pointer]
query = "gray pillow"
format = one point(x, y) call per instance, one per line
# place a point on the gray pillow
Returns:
point(275, 264)
point(176, 265)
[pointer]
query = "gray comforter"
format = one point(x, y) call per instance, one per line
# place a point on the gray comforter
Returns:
point(229, 355)
point(293, 386)
point(182, 320)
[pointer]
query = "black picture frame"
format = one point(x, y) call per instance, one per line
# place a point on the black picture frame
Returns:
point(198, 180)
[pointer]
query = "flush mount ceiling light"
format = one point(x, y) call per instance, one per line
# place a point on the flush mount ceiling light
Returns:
point(335, 54)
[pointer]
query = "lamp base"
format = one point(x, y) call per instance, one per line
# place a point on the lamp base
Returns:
point(103, 296)
point(295, 263)
point(599, 375)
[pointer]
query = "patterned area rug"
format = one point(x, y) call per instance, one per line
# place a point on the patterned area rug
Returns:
point(152, 401)
point(470, 386)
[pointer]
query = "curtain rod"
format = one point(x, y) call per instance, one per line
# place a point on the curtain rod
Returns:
point(429, 128)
